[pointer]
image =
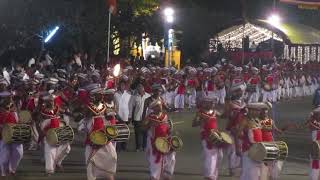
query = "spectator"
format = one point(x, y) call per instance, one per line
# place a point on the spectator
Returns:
point(136, 106)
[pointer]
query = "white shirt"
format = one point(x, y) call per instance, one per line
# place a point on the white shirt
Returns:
point(122, 104)
point(137, 104)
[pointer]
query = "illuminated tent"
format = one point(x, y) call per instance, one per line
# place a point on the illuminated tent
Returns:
point(301, 42)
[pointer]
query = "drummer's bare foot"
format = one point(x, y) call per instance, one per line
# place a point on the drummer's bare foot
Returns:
point(60, 168)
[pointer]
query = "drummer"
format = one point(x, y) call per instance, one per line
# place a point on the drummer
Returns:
point(314, 125)
point(161, 165)
point(206, 118)
point(270, 169)
point(101, 160)
point(249, 131)
point(50, 119)
point(10, 154)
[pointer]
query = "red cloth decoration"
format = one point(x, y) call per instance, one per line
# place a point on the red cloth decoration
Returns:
point(209, 125)
point(318, 135)
point(31, 105)
point(98, 124)
point(254, 80)
point(110, 84)
point(58, 101)
point(84, 96)
point(191, 83)
point(257, 135)
point(210, 86)
point(269, 80)
point(315, 164)
point(267, 136)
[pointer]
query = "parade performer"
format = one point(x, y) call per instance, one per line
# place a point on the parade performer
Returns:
point(250, 132)
point(314, 125)
point(192, 84)
point(12, 153)
point(270, 169)
point(219, 80)
point(253, 86)
point(101, 160)
point(180, 92)
point(161, 161)
point(206, 118)
point(235, 112)
point(50, 119)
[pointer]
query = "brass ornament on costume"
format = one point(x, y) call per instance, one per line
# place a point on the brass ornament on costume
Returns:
point(58, 136)
point(16, 133)
point(268, 151)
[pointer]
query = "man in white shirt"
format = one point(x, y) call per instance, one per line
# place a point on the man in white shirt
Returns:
point(122, 98)
point(136, 106)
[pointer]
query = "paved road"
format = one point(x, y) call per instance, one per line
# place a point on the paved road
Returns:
point(132, 165)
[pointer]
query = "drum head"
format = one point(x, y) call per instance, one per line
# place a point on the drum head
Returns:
point(98, 138)
point(226, 138)
point(25, 117)
point(176, 143)
point(257, 152)
point(315, 150)
point(112, 131)
point(52, 137)
point(162, 145)
point(7, 133)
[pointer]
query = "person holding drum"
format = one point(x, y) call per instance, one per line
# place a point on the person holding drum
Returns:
point(11, 152)
point(100, 153)
point(235, 110)
point(212, 139)
point(54, 154)
point(159, 151)
point(314, 125)
point(250, 133)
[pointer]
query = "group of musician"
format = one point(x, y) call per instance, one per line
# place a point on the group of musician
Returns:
point(37, 109)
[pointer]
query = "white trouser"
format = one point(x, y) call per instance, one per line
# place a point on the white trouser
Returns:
point(54, 155)
point(179, 101)
point(250, 169)
point(234, 161)
point(253, 97)
point(102, 162)
point(211, 159)
point(192, 98)
point(314, 173)
point(268, 96)
point(34, 137)
point(271, 170)
point(159, 168)
point(10, 157)
point(221, 95)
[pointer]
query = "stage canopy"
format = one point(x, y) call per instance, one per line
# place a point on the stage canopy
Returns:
point(301, 41)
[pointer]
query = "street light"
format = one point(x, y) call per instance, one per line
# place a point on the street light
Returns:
point(52, 33)
point(169, 18)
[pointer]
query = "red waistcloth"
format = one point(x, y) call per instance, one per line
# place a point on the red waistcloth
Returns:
point(209, 125)
point(110, 84)
point(181, 89)
point(68, 94)
point(257, 137)
point(31, 105)
point(254, 80)
point(191, 83)
point(315, 164)
point(269, 80)
point(54, 123)
point(318, 135)
point(210, 86)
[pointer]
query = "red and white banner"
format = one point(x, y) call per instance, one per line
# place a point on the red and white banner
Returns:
point(112, 6)
point(303, 2)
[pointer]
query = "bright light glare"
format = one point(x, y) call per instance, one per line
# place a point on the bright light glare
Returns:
point(52, 33)
point(168, 11)
point(170, 19)
point(116, 70)
point(274, 20)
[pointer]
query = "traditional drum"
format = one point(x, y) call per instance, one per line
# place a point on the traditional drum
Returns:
point(251, 88)
point(118, 132)
point(176, 143)
point(267, 87)
point(219, 138)
point(315, 150)
point(268, 151)
point(60, 135)
point(16, 133)
point(25, 117)
point(98, 138)
point(162, 145)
